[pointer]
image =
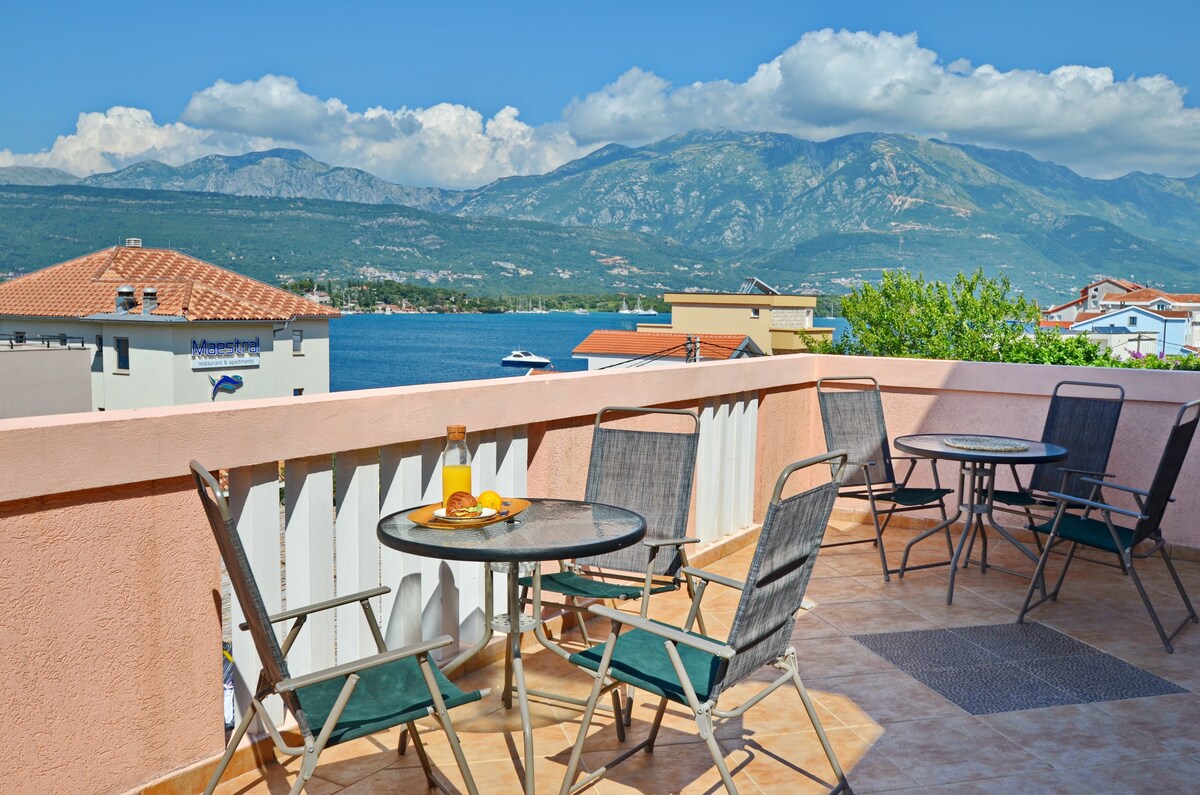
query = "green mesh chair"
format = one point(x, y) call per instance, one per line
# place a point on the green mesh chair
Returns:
point(341, 703)
point(853, 421)
point(1141, 541)
point(649, 472)
point(692, 669)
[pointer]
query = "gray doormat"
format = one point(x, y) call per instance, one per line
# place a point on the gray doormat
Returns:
point(1007, 667)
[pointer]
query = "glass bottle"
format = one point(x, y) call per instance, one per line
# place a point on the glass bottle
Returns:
point(456, 462)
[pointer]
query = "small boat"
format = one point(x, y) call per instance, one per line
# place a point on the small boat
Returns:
point(581, 311)
point(524, 359)
point(640, 311)
point(624, 310)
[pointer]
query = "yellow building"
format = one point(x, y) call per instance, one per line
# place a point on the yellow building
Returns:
point(777, 323)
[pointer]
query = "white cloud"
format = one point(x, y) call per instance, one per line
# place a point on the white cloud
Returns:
point(827, 84)
point(835, 83)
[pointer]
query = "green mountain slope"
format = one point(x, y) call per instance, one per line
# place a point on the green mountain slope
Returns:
point(271, 239)
point(281, 173)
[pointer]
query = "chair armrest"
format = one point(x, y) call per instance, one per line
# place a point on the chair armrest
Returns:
point(345, 669)
point(326, 605)
point(910, 457)
point(665, 632)
point(1097, 505)
point(1119, 487)
point(1074, 471)
point(669, 542)
point(719, 579)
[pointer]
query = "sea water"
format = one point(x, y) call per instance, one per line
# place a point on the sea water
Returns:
point(370, 351)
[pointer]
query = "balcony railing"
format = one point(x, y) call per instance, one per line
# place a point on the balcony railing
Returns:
point(111, 579)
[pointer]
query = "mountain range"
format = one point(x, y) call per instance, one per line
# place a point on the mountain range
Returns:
point(806, 215)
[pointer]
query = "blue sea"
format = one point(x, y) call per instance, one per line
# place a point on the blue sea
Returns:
point(370, 351)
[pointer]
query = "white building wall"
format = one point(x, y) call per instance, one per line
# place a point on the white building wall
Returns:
point(160, 363)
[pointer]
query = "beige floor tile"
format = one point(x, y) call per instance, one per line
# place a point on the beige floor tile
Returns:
point(683, 769)
point(821, 658)
point(1077, 735)
point(273, 779)
point(968, 610)
point(881, 698)
point(783, 764)
point(1172, 720)
point(944, 751)
point(857, 618)
point(1170, 774)
point(835, 590)
point(809, 625)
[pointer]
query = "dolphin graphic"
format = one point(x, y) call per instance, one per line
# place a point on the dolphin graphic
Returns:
point(226, 383)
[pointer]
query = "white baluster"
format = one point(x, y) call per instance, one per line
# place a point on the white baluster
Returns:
point(357, 547)
point(309, 545)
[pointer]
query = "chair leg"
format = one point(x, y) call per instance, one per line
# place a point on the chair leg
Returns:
point(887, 577)
point(577, 749)
point(815, 719)
point(704, 722)
point(402, 746)
point(618, 713)
point(419, 746)
point(230, 749)
point(1179, 585)
point(1038, 576)
point(307, 766)
point(658, 716)
point(1137, 581)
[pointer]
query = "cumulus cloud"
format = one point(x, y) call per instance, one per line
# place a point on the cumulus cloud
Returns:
point(829, 83)
point(833, 83)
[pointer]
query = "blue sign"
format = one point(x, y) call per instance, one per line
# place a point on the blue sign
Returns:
point(226, 383)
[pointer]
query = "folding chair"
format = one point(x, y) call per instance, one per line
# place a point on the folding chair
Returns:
point(649, 472)
point(1105, 535)
point(853, 421)
point(692, 669)
point(336, 704)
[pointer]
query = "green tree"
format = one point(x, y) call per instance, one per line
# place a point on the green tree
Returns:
point(974, 318)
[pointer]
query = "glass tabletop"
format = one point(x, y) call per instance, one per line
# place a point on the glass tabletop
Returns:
point(936, 445)
point(546, 530)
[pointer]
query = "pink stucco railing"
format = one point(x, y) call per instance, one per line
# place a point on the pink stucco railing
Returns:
point(110, 579)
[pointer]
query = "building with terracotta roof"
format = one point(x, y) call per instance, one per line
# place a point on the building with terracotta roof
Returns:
point(1090, 298)
point(610, 348)
point(164, 328)
point(776, 322)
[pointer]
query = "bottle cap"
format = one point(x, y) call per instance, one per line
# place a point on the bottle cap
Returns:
point(456, 432)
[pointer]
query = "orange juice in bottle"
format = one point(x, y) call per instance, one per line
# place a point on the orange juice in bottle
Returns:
point(456, 462)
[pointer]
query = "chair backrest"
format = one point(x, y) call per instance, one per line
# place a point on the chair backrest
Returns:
point(780, 570)
point(1085, 425)
point(1174, 453)
point(853, 421)
point(649, 472)
point(237, 566)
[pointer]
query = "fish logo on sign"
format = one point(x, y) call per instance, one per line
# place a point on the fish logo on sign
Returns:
point(226, 383)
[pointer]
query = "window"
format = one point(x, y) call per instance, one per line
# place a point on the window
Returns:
point(1160, 306)
point(1133, 320)
point(19, 337)
point(298, 342)
point(121, 345)
point(754, 312)
point(98, 359)
point(298, 391)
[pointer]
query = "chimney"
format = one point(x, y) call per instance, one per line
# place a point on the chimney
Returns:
point(149, 299)
point(133, 242)
point(125, 299)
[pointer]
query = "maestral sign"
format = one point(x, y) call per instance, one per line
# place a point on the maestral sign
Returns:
point(214, 355)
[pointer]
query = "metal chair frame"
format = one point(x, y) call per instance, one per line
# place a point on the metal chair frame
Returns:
point(1148, 529)
point(878, 492)
point(704, 712)
point(278, 683)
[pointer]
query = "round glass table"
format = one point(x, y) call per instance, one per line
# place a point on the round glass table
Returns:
point(979, 455)
point(546, 530)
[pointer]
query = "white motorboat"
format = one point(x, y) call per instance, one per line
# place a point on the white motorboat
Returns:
point(624, 310)
point(581, 311)
point(640, 311)
point(524, 359)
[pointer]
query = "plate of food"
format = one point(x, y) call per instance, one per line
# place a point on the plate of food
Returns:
point(462, 510)
point(464, 514)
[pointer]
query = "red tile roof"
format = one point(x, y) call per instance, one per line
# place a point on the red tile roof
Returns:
point(1128, 285)
point(647, 343)
point(1148, 294)
point(1078, 300)
point(187, 287)
point(1056, 323)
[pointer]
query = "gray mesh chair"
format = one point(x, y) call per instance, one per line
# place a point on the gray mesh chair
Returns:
point(341, 703)
point(853, 421)
point(692, 669)
point(649, 472)
point(1085, 425)
point(1105, 535)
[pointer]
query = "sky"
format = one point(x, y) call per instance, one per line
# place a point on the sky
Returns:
point(459, 94)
